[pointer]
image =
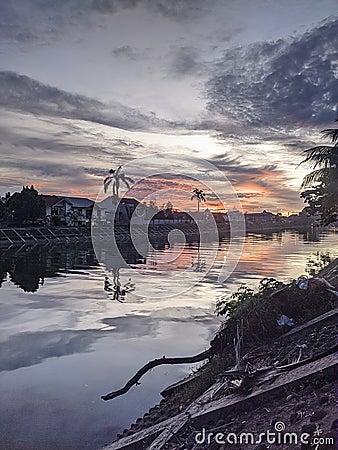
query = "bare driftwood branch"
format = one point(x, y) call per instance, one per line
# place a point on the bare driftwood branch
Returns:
point(154, 363)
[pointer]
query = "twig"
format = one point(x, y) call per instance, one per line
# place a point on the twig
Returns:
point(238, 345)
point(313, 358)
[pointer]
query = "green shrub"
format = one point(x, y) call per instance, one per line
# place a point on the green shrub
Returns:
point(259, 311)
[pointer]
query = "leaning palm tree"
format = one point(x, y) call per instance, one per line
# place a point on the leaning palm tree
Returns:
point(323, 158)
point(115, 177)
point(199, 195)
point(322, 183)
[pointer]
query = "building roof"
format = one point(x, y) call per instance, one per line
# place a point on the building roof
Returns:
point(108, 204)
point(50, 200)
point(131, 201)
point(78, 202)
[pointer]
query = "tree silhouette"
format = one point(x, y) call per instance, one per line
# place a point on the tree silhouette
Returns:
point(321, 185)
point(115, 178)
point(3, 211)
point(199, 195)
point(26, 205)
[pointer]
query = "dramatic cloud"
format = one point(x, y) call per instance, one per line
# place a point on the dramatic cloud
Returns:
point(286, 82)
point(18, 92)
point(27, 21)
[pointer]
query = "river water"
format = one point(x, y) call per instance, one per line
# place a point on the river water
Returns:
point(65, 340)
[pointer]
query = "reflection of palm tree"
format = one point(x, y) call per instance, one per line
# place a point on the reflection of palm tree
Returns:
point(199, 195)
point(119, 292)
point(200, 264)
point(116, 176)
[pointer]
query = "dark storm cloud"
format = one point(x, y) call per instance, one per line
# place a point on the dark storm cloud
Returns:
point(185, 61)
point(247, 195)
point(287, 82)
point(46, 169)
point(237, 165)
point(112, 145)
point(179, 9)
point(25, 21)
point(126, 51)
point(18, 92)
point(176, 9)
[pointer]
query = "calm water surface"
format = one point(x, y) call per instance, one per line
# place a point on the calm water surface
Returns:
point(65, 341)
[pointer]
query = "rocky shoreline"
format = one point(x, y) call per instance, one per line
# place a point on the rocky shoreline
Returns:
point(295, 387)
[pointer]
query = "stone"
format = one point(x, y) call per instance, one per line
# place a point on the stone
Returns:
point(309, 428)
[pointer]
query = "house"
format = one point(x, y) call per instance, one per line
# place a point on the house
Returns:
point(72, 211)
point(107, 211)
point(50, 201)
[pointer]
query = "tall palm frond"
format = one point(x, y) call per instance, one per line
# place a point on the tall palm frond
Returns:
point(320, 155)
point(126, 180)
point(331, 133)
point(114, 179)
point(321, 184)
point(316, 176)
point(106, 183)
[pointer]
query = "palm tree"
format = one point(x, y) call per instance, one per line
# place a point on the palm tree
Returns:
point(199, 195)
point(116, 176)
point(322, 182)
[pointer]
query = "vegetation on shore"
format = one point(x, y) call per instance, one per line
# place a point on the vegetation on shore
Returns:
point(321, 185)
point(22, 207)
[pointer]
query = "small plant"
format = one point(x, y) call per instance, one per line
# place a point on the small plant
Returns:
point(244, 295)
point(226, 306)
point(317, 261)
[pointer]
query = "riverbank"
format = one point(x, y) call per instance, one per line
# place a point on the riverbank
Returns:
point(29, 236)
point(14, 236)
point(284, 377)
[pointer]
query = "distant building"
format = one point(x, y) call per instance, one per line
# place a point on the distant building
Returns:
point(107, 211)
point(72, 211)
point(162, 218)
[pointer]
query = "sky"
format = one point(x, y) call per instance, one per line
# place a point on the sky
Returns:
point(86, 85)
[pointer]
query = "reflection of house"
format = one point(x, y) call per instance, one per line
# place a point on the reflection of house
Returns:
point(72, 211)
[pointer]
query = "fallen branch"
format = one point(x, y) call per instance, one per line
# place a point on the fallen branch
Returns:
point(154, 363)
point(238, 344)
